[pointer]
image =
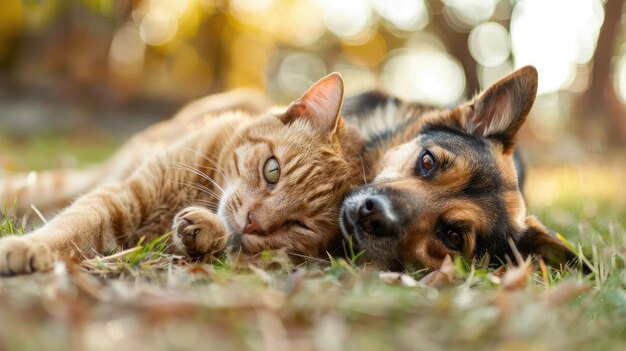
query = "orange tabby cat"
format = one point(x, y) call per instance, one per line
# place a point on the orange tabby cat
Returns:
point(272, 181)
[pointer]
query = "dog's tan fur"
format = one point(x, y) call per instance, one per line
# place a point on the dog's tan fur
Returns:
point(405, 215)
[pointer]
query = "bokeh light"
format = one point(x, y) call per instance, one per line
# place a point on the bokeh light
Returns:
point(127, 52)
point(159, 25)
point(436, 52)
point(429, 77)
point(465, 14)
point(542, 35)
point(620, 77)
point(489, 44)
point(251, 6)
point(488, 75)
point(347, 18)
point(298, 71)
point(409, 15)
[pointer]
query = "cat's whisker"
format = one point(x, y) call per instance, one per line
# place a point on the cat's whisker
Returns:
point(235, 130)
point(198, 187)
point(213, 161)
point(211, 205)
point(208, 202)
point(389, 181)
point(200, 174)
point(205, 189)
point(217, 168)
point(363, 165)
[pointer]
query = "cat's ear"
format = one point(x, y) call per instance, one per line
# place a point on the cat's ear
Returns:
point(501, 110)
point(538, 240)
point(320, 105)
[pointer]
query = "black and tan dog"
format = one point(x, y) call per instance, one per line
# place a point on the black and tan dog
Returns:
point(446, 181)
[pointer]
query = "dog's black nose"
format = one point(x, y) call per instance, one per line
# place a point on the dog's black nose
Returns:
point(375, 216)
point(371, 205)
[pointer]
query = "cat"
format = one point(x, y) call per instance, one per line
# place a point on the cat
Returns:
point(249, 181)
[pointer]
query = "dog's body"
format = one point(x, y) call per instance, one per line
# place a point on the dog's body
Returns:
point(446, 181)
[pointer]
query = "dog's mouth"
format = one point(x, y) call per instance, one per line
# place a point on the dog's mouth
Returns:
point(350, 230)
point(368, 221)
point(370, 213)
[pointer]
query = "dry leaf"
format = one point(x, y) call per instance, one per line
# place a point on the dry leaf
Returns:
point(200, 269)
point(443, 276)
point(564, 292)
point(262, 274)
point(516, 277)
point(398, 278)
point(408, 281)
point(390, 277)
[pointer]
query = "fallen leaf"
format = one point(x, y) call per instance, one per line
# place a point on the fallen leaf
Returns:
point(398, 278)
point(390, 277)
point(516, 277)
point(443, 276)
point(564, 292)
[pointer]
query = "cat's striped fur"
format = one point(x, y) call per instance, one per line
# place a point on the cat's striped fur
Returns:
point(207, 167)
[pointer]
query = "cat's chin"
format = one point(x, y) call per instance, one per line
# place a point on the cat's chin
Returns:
point(249, 244)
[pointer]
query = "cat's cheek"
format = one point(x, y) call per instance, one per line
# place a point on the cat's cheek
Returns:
point(222, 209)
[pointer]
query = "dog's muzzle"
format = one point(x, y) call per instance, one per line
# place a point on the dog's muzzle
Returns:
point(369, 214)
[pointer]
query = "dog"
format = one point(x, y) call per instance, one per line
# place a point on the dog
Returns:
point(445, 181)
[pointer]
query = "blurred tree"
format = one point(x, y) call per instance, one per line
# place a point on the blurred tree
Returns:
point(456, 42)
point(106, 58)
point(600, 101)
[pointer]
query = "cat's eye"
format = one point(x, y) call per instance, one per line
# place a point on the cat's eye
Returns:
point(271, 170)
point(300, 224)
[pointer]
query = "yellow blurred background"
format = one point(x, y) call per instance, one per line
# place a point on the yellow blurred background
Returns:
point(88, 67)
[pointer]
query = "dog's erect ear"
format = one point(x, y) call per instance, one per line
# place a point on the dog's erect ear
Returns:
point(320, 105)
point(538, 240)
point(500, 111)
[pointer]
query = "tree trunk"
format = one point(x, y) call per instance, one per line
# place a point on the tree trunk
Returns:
point(457, 45)
point(600, 101)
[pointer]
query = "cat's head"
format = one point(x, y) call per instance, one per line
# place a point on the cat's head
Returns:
point(288, 173)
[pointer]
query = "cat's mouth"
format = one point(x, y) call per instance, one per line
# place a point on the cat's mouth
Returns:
point(245, 243)
point(251, 244)
point(236, 242)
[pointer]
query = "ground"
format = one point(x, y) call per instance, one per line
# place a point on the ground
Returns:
point(142, 299)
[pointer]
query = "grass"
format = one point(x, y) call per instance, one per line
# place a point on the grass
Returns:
point(143, 298)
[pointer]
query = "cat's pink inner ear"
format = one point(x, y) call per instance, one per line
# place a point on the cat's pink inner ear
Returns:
point(320, 105)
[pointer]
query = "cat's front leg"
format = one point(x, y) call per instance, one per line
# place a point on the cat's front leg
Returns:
point(20, 254)
point(198, 232)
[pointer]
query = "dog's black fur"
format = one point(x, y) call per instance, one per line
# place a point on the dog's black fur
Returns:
point(469, 202)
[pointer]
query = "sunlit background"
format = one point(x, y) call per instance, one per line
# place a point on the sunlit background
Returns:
point(96, 68)
point(78, 77)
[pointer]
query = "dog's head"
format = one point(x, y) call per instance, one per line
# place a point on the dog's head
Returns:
point(451, 187)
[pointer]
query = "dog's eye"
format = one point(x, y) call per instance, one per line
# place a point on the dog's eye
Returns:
point(454, 240)
point(427, 163)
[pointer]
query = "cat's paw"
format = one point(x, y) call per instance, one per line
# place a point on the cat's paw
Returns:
point(19, 255)
point(199, 232)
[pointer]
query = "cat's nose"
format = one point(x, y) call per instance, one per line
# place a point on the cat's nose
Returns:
point(252, 226)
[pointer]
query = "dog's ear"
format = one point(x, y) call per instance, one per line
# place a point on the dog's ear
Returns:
point(538, 240)
point(501, 110)
point(320, 105)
